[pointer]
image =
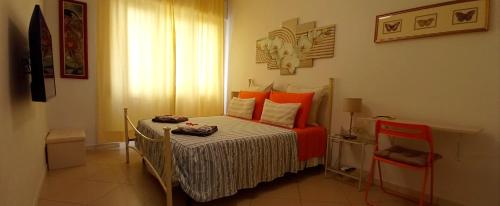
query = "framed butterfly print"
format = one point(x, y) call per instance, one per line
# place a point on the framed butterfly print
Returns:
point(432, 20)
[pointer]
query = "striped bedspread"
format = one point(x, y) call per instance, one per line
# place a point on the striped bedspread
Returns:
point(240, 155)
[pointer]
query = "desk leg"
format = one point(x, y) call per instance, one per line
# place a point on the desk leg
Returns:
point(459, 147)
point(339, 155)
point(361, 163)
point(328, 154)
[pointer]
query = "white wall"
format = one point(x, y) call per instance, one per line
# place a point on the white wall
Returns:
point(23, 123)
point(453, 79)
point(75, 103)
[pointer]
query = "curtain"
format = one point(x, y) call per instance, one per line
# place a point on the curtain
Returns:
point(199, 28)
point(154, 62)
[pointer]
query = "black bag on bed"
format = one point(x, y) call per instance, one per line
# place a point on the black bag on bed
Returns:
point(200, 131)
point(169, 119)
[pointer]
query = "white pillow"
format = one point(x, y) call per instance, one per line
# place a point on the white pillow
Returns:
point(255, 88)
point(319, 93)
point(242, 108)
point(279, 114)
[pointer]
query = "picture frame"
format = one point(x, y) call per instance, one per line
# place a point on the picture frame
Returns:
point(433, 20)
point(73, 39)
point(295, 45)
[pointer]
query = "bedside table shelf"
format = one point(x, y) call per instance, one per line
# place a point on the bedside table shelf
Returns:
point(353, 174)
point(357, 174)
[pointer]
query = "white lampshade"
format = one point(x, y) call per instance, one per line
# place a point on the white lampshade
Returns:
point(352, 105)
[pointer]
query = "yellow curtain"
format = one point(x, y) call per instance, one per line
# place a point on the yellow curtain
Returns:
point(199, 29)
point(140, 67)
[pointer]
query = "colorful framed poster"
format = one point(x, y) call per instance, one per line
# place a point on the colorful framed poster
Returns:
point(432, 20)
point(73, 39)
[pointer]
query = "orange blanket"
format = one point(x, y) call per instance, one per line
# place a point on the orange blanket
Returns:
point(311, 142)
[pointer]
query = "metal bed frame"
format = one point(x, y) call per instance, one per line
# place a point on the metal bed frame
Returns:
point(166, 179)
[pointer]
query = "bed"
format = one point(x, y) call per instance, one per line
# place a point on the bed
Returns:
point(240, 155)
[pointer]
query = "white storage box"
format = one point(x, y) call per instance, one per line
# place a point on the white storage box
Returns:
point(65, 148)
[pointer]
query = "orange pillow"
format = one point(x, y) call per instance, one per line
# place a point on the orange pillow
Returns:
point(305, 100)
point(260, 97)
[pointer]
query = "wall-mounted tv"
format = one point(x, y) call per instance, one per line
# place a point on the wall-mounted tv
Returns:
point(43, 84)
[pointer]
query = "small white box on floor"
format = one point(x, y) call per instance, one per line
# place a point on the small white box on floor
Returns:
point(65, 148)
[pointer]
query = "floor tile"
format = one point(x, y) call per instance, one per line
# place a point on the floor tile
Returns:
point(108, 173)
point(123, 195)
point(74, 191)
point(79, 172)
point(375, 195)
point(268, 201)
point(228, 201)
point(107, 180)
point(319, 203)
point(280, 188)
point(55, 203)
point(320, 188)
point(397, 202)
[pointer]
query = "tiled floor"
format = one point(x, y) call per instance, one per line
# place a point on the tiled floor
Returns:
point(106, 181)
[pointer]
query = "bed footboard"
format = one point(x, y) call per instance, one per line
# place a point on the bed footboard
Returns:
point(165, 179)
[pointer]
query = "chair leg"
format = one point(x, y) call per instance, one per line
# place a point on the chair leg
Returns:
point(380, 176)
point(432, 184)
point(422, 194)
point(370, 181)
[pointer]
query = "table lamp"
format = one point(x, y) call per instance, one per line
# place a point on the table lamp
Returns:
point(351, 105)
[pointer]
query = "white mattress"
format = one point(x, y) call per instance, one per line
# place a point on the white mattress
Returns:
point(240, 155)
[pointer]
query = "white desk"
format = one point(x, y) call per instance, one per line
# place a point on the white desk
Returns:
point(445, 128)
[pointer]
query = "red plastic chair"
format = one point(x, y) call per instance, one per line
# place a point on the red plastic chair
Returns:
point(403, 157)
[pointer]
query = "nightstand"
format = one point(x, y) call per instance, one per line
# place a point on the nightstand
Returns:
point(356, 174)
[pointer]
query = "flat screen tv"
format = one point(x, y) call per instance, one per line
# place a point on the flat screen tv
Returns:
point(43, 84)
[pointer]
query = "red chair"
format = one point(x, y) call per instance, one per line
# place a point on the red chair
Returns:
point(403, 157)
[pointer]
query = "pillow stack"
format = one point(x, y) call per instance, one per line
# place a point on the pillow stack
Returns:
point(242, 108)
point(319, 93)
point(259, 88)
point(279, 114)
point(259, 101)
point(304, 99)
point(295, 108)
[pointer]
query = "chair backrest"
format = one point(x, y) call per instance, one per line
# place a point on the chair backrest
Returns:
point(403, 130)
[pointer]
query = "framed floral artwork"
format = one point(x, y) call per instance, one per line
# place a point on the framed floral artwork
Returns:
point(295, 46)
point(432, 20)
point(73, 39)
